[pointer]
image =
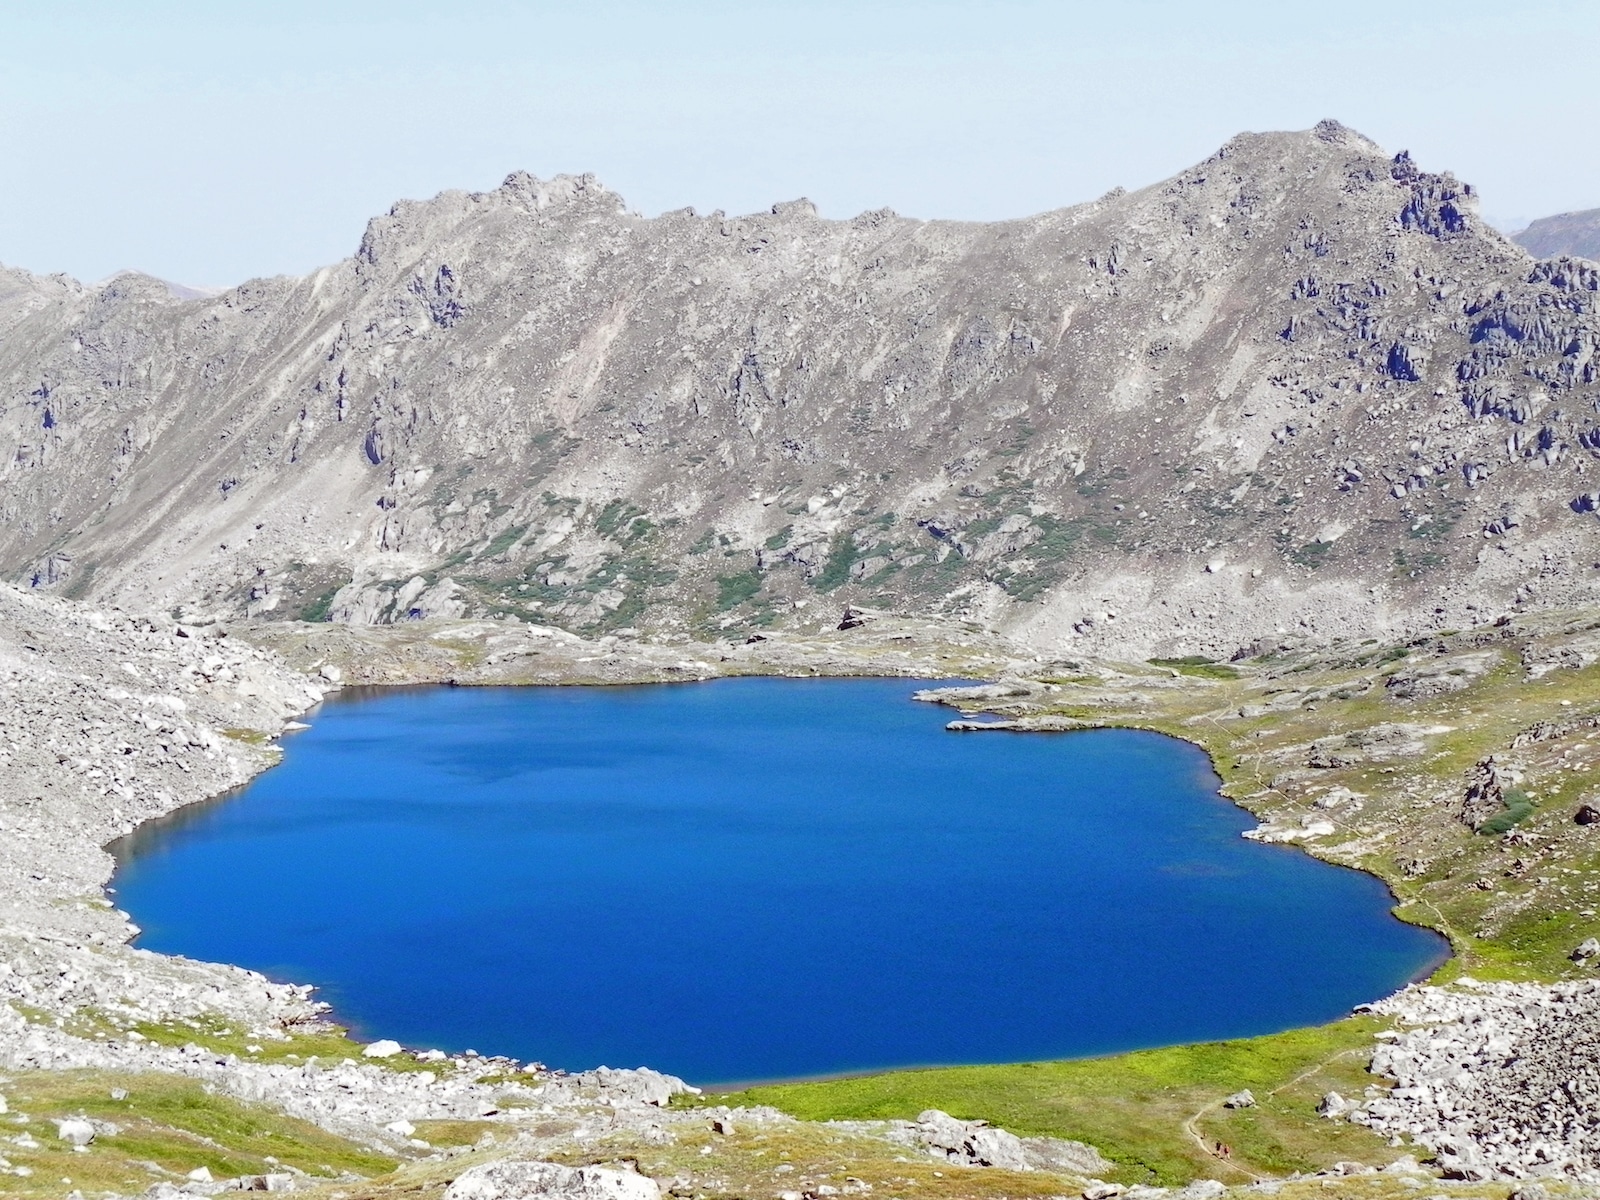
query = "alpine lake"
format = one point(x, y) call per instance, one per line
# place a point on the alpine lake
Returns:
point(757, 879)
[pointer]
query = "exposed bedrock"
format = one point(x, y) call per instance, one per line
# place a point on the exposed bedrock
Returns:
point(1299, 387)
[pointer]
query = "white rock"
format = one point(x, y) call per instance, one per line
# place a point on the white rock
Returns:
point(201, 1175)
point(511, 1180)
point(401, 1128)
point(638, 1085)
point(76, 1131)
point(382, 1049)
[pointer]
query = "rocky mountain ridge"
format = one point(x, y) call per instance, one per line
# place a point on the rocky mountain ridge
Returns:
point(1576, 234)
point(1299, 389)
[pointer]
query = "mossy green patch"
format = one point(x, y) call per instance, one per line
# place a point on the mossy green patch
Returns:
point(1196, 667)
point(616, 517)
point(843, 554)
point(1135, 1108)
point(318, 607)
point(503, 541)
point(1518, 808)
point(734, 590)
point(1311, 555)
point(161, 1127)
point(316, 1043)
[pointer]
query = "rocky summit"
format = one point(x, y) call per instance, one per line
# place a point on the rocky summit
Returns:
point(1300, 387)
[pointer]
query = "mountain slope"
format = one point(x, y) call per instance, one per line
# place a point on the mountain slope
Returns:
point(1575, 233)
point(1297, 389)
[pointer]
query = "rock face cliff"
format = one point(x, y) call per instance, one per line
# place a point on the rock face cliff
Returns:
point(1299, 389)
point(1574, 233)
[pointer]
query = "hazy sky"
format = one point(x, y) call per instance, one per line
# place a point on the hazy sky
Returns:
point(208, 142)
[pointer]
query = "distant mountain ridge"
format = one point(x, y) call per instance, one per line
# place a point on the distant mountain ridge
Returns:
point(1574, 233)
point(1299, 389)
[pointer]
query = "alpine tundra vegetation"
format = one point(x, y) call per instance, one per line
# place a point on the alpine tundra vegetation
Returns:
point(1291, 456)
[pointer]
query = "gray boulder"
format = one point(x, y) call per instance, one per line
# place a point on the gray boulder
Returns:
point(513, 1180)
point(979, 1144)
point(630, 1086)
point(975, 1143)
point(280, 1181)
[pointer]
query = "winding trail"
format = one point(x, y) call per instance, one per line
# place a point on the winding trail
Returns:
point(1190, 1125)
point(1210, 1151)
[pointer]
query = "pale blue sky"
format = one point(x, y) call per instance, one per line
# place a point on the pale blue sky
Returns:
point(208, 142)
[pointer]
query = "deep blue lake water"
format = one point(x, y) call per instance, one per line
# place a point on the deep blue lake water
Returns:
point(757, 879)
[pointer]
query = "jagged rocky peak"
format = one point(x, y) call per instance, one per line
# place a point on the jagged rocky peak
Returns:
point(410, 226)
point(562, 189)
point(1338, 134)
point(1298, 389)
point(18, 285)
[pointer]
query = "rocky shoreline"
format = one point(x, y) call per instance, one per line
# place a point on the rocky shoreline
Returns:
point(110, 721)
